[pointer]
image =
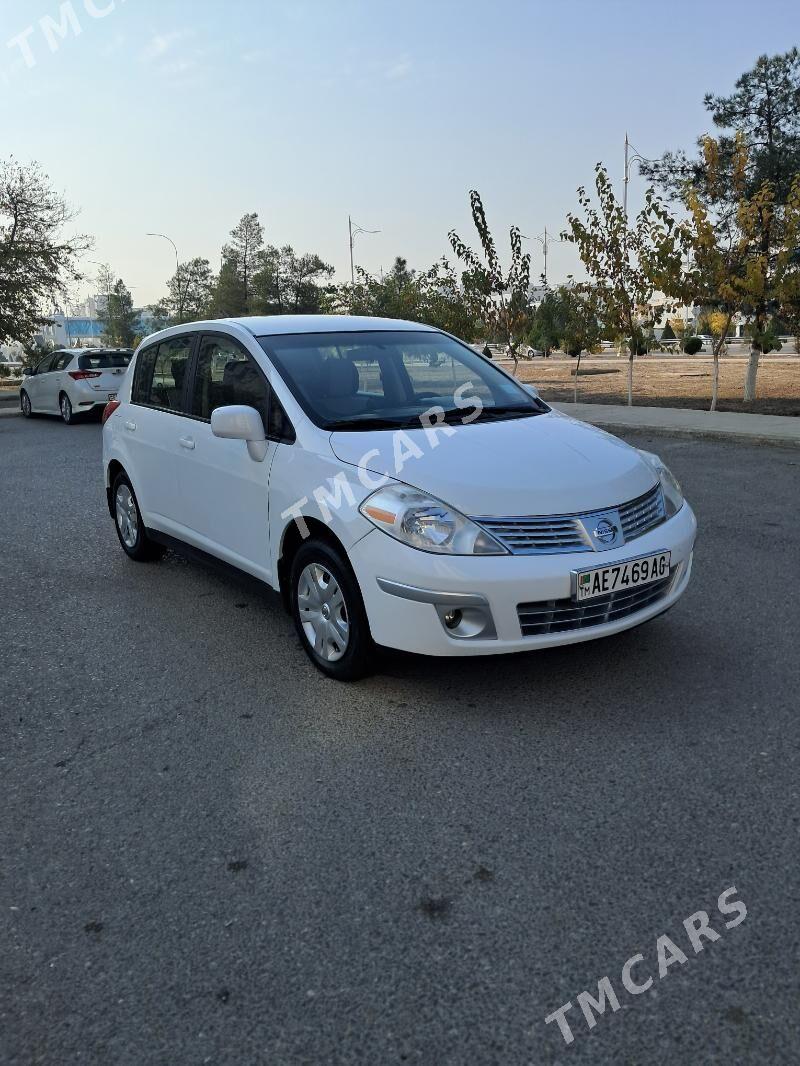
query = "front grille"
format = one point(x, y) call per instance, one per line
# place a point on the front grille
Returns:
point(561, 616)
point(532, 535)
point(549, 534)
point(640, 515)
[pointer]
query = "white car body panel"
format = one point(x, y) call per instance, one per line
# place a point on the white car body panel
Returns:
point(527, 466)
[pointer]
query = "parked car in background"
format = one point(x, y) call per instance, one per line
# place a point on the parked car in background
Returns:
point(361, 467)
point(73, 382)
point(10, 364)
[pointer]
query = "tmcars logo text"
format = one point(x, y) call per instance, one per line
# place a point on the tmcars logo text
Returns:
point(636, 976)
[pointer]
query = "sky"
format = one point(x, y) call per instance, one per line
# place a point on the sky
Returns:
point(178, 116)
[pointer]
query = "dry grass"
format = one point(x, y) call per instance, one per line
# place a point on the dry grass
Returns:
point(669, 382)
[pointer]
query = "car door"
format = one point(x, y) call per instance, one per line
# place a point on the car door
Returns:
point(36, 383)
point(225, 497)
point(152, 426)
point(55, 380)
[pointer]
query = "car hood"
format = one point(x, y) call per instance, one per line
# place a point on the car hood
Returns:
point(548, 464)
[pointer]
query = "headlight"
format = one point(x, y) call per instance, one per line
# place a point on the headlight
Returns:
point(673, 495)
point(424, 522)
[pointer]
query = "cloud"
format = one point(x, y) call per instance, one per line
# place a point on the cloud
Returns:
point(161, 43)
point(401, 68)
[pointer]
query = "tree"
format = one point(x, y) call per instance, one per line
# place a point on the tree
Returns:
point(761, 118)
point(627, 263)
point(501, 299)
point(733, 273)
point(764, 110)
point(118, 317)
point(37, 262)
point(668, 333)
point(679, 326)
point(443, 302)
point(229, 298)
point(547, 323)
point(789, 298)
point(286, 283)
point(244, 250)
point(191, 289)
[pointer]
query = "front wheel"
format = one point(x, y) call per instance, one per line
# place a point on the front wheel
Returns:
point(129, 525)
point(329, 613)
point(25, 404)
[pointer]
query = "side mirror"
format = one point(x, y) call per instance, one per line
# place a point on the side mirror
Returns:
point(238, 422)
point(27, 371)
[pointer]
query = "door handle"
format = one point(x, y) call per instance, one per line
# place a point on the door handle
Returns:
point(186, 442)
point(131, 426)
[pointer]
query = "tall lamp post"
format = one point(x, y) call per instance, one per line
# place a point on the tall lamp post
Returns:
point(355, 230)
point(164, 237)
point(545, 239)
point(631, 156)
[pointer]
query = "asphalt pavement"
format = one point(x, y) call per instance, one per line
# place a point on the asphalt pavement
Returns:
point(212, 854)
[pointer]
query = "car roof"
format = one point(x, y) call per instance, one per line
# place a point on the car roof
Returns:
point(272, 325)
point(275, 325)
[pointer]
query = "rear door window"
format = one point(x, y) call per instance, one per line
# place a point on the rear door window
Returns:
point(45, 365)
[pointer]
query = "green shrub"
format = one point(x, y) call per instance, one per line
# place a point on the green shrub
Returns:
point(668, 333)
point(692, 345)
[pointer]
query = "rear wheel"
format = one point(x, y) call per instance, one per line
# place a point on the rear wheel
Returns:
point(25, 404)
point(329, 613)
point(129, 526)
point(65, 404)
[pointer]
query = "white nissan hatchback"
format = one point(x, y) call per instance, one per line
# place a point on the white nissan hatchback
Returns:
point(396, 487)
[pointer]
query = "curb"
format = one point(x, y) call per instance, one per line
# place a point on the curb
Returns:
point(697, 434)
point(680, 422)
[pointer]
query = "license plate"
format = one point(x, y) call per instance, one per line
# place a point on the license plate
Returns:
point(620, 577)
point(112, 396)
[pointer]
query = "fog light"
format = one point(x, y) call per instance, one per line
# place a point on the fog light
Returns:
point(452, 619)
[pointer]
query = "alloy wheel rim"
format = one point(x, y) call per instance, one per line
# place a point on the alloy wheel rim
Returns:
point(26, 404)
point(323, 612)
point(127, 516)
point(66, 408)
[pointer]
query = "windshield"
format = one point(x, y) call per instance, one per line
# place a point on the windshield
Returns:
point(385, 379)
point(104, 360)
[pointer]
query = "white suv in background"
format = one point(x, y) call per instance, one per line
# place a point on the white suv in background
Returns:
point(396, 487)
point(73, 381)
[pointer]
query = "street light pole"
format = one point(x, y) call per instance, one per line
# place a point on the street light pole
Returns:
point(177, 267)
point(545, 240)
point(354, 230)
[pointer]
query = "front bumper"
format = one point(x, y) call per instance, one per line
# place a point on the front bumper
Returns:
point(410, 615)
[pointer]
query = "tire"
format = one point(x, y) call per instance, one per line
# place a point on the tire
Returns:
point(129, 525)
point(25, 404)
point(328, 612)
point(65, 406)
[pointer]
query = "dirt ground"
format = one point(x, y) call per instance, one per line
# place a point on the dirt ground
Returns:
point(668, 382)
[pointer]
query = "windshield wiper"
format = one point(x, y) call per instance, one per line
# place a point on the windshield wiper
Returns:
point(370, 423)
point(508, 411)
